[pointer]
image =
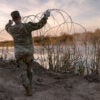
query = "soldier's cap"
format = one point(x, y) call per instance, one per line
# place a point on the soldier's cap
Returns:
point(15, 15)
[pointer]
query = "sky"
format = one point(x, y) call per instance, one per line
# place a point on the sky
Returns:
point(85, 12)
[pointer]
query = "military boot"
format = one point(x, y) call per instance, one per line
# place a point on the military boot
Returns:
point(26, 84)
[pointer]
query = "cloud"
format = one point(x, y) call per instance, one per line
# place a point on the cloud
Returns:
point(80, 10)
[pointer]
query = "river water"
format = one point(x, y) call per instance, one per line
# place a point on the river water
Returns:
point(77, 55)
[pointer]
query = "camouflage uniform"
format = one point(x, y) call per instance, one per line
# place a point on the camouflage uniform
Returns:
point(23, 45)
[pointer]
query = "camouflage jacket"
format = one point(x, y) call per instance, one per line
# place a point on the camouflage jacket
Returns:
point(21, 33)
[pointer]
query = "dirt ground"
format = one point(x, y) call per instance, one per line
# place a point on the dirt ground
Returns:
point(47, 85)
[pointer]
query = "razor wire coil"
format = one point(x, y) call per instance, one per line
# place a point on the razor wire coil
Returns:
point(54, 26)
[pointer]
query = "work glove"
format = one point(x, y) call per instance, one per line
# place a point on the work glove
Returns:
point(47, 13)
point(10, 22)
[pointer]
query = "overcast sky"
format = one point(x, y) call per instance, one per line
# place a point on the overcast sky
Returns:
point(85, 12)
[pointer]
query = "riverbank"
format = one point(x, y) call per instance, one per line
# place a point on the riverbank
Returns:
point(47, 85)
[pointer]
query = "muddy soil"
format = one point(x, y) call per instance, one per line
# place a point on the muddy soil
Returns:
point(47, 85)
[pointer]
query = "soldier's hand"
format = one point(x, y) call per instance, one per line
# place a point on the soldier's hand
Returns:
point(10, 22)
point(47, 13)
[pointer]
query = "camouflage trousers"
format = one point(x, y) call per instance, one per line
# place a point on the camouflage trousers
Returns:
point(25, 63)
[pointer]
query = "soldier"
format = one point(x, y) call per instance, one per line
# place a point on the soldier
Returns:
point(23, 44)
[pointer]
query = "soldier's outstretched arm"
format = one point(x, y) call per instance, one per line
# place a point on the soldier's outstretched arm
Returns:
point(34, 26)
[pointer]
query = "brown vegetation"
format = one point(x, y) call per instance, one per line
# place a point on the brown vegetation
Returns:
point(6, 43)
point(64, 38)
